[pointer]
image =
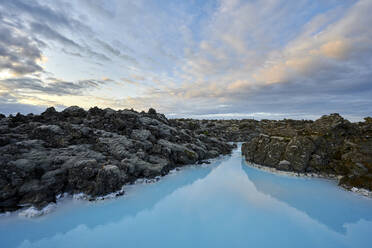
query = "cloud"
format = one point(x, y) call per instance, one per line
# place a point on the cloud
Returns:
point(7, 108)
point(334, 47)
point(116, 52)
point(18, 53)
point(138, 77)
point(52, 86)
point(43, 22)
point(195, 58)
point(129, 81)
point(47, 32)
point(329, 58)
point(43, 13)
point(36, 94)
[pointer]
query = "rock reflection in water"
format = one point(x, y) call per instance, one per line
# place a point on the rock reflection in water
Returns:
point(226, 204)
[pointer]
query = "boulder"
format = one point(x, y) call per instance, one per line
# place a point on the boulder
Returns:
point(138, 168)
point(4, 141)
point(151, 111)
point(180, 154)
point(117, 145)
point(284, 165)
point(298, 152)
point(109, 179)
point(140, 134)
point(81, 175)
point(49, 112)
point(51, 134)
point(74, 111)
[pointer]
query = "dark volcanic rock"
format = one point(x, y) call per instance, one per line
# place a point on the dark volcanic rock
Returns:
point(97, 151)
point(228, 130)
point(330, 145)
point(94, 152)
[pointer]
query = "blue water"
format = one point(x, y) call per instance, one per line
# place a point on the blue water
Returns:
point(225, 204)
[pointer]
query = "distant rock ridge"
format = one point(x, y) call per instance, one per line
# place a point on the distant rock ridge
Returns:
point(329, 146)
point(94, 152)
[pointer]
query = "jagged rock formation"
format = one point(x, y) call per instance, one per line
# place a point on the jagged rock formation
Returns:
point(94, 152)
point(228, 130)
point(330, 145)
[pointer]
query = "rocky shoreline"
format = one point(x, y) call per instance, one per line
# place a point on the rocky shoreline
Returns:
point(93, 152)
point(228, 130)
point(359, 191)
point(330, 146)
point(33, 212)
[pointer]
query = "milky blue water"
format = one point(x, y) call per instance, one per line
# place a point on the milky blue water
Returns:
point(225, 204)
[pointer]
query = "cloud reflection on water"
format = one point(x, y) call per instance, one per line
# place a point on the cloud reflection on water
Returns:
point(232, 206)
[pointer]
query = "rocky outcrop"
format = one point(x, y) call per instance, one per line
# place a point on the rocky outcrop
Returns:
point(94, 152)
point(329, 146)
point(228, 130)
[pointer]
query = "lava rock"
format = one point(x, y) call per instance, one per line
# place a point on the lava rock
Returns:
point(330, 146)
point(93, 152)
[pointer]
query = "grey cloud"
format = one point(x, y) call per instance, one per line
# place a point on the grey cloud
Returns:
point(41, 13)
point(116, 52)
point(9, 105)
point(95, 54)
point(330, 81)
point(235, 44)
point(47, 32)
point(18, 53)
point(76, 54)
point(98, 7)
point(14, 108)
point(47, 23)
point(54, 87)
point(348, 93)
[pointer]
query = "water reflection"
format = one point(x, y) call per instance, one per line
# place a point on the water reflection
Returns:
point(225, 205)
point(331, 206)
point(76, 213)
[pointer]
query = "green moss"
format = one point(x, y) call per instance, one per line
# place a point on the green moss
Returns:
point(191, 154)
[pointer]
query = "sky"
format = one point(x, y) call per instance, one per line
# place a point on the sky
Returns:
point(269, 59)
